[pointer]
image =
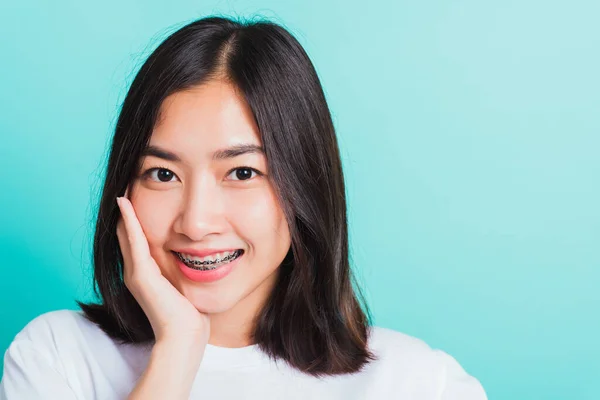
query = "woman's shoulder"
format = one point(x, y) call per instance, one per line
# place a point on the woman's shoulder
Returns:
point(64, 353)
point(389, 343)
point(58, 333)
point(52, 324)
point(45, 342)
point(402, 355)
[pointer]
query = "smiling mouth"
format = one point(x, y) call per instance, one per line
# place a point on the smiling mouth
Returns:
point(209, 265)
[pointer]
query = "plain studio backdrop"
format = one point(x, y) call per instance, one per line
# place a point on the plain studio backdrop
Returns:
point(470, 135)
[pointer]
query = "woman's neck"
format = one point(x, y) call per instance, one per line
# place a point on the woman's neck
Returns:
point(234, 327)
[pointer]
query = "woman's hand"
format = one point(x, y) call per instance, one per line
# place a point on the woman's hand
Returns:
point(172, 316)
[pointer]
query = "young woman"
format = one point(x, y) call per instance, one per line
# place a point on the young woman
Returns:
point(223, 266)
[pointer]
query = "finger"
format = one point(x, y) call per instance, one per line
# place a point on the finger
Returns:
point(136, 238)
point(124, 245)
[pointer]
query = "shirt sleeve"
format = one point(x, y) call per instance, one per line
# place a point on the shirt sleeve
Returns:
point(457, 384)
point(30, 374)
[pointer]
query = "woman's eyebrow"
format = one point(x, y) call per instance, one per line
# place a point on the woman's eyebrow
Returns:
point(221, 154)
point(237, 150)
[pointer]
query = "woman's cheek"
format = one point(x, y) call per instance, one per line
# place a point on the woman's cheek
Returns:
point(153, 216)
point(253, 209)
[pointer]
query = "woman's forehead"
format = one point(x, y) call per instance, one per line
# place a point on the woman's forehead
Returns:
point(209, 117)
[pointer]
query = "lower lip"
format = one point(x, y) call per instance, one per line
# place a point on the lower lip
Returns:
point(209, 275)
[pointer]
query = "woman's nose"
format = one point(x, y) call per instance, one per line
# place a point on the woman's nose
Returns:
point(202, 211)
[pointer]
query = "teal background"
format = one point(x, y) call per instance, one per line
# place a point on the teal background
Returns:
point(470, 137)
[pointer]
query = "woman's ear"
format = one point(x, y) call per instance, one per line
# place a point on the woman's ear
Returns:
point(126, 192)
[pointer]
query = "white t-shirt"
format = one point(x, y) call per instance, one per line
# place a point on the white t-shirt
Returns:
point(61, 355)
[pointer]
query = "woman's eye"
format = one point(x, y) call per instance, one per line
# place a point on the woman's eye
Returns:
point(163, 174)
point(243, 173)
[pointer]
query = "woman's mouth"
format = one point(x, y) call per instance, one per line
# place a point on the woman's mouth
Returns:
point(209, 263)
point(207, 269)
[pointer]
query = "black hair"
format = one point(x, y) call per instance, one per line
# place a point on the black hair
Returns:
point(316, 317)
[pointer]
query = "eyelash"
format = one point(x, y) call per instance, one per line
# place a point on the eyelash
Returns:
point(150, 170)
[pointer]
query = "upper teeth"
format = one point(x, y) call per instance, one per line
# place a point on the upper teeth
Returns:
point(212, 257)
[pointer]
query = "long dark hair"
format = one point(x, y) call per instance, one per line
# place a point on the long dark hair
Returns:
point(316, 317)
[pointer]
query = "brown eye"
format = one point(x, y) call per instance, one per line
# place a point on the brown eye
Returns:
point(163, 174)
point(243, 173)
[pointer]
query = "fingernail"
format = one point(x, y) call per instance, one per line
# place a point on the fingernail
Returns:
point(119, 201)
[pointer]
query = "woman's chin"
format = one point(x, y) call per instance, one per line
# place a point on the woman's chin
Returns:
point(207, 304)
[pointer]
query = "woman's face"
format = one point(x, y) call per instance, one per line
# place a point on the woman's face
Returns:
point(207, 200)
